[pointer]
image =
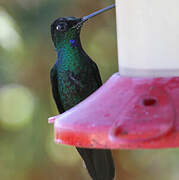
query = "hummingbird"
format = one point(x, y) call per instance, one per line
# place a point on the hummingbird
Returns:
point(74, 77)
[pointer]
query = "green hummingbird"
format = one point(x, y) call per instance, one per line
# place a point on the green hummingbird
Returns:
point(73, 78)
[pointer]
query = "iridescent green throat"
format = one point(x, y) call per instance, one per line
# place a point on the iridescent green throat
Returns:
point(69, 51)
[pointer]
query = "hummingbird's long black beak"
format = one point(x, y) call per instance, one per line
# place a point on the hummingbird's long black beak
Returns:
point(85, 18)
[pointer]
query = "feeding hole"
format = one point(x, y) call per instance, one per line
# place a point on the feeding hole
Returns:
point(149, 102)
point(120, 131)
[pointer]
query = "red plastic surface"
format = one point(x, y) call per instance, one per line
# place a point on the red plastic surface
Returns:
point(125, 113)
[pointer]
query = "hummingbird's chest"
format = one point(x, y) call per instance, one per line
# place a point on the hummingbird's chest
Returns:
point(76, 81)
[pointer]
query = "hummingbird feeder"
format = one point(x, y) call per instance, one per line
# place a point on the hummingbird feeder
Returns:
point(138, 107)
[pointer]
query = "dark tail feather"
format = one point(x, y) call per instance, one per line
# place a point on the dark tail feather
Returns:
point(99, 163)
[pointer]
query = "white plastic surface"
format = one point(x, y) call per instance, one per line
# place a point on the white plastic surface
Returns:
point(148, 37)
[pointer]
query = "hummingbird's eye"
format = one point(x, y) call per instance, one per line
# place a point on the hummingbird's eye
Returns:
point(61, 27)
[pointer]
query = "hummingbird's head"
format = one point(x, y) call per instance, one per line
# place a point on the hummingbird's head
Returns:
point(65, 28)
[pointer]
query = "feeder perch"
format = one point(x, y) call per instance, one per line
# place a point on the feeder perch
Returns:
point(138, 107)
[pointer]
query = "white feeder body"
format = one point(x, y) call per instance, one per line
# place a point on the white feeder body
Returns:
point(148, 37)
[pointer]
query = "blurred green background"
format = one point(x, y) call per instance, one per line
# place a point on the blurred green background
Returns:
point(27, 149)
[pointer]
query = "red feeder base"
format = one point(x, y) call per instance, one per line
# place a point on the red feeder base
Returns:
point(125, 113)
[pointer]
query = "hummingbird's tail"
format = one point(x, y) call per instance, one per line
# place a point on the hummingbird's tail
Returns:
point(99, 163)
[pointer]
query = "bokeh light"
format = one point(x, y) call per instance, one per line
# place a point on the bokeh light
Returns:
point(17, 105)
point(9, 37)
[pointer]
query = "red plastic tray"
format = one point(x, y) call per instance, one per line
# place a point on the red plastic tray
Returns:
point(125, 113)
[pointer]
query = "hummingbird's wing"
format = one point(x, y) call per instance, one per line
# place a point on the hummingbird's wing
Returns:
point(54, 84)
point(99, 162)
